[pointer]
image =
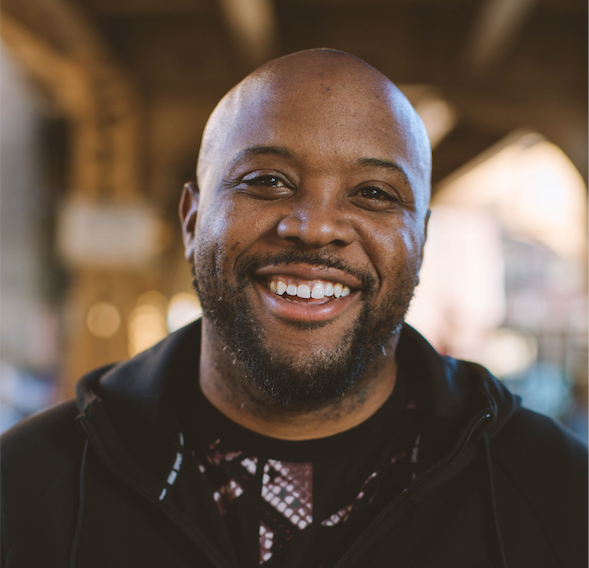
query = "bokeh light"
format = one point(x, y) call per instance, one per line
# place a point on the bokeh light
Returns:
point(103, 320)
point(183, 309)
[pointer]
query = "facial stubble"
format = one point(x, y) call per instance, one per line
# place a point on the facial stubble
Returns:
point(320, 376)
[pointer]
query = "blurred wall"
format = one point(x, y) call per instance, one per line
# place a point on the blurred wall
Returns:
point(29, 324)
point(130, 84)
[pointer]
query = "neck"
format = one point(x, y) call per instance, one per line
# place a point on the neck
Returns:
point(224, 383)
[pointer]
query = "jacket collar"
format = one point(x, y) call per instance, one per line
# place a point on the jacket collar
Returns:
point(134, 410)
point(456, 394)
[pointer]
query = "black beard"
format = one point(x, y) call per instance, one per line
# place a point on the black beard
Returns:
point(317, 379)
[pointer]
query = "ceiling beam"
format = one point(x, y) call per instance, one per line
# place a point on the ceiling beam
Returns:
point(495, 29)
point(253, 24)
point(61, 48)
point(139, 8)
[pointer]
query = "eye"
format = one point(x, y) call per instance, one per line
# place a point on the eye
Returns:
point(266, 181)
point(373, 193)
point(265, 186)
point(375, 198)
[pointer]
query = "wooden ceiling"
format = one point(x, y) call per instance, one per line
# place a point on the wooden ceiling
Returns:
point(502, 64)
point(135, 81)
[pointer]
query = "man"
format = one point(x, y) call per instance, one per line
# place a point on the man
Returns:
point(301, 423)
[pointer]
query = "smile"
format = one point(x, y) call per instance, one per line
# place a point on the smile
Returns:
point(310, 289)
point(307, 293)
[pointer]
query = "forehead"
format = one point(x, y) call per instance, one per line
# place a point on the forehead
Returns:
point(325, 116)
point(326, 120)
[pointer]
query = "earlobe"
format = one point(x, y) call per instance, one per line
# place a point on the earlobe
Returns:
point(188, 211)
point(425, 224)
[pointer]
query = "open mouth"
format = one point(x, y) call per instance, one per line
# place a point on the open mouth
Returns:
point(305, 292)
point(297, 289)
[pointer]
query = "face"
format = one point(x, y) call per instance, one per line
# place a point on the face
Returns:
point(309, 237)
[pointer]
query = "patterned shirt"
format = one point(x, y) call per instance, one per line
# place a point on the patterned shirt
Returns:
point(299, 503)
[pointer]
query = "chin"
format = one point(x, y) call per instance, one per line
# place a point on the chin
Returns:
point(296, 364)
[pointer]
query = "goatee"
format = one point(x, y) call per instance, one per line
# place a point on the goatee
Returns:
point(319, 377)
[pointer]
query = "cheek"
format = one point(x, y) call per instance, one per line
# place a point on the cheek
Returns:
point(230, 228)
point(217, 223)
point(411, 244)
point(391, 249)
point(215, 239)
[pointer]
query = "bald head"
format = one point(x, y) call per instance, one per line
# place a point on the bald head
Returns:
point(314, 173)
point(323, 91)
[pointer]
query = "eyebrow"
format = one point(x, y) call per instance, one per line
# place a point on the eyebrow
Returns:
point(262, 151)
point(384, 164)
point(283, 152)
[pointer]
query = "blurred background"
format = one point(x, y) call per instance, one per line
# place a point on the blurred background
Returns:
point(103, 103)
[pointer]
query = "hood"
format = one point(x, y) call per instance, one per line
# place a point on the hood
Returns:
point(134, 412)
point(456, 394)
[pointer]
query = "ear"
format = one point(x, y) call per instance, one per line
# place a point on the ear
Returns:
point(425, 224)
point(188, 212)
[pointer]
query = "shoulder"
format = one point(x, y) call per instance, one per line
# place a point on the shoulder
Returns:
point(530, 440)
point(42, 435)
point(36, 453)
point(541, 467)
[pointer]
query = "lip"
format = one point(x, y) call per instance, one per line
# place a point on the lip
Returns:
point(311, 272)
point(291, 309)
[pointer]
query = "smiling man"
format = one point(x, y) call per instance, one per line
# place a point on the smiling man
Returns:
point(301, 423)
point(306, 233)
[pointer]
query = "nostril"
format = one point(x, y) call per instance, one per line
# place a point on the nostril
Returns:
point(317, 231)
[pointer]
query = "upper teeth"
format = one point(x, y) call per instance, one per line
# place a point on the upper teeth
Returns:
point(291, 290)
point(318, 292)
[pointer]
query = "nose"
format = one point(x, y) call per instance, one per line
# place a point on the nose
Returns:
point(316, 226)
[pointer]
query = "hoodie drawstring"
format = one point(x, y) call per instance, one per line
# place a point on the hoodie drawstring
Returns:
point(495, 517)
point(81, 509)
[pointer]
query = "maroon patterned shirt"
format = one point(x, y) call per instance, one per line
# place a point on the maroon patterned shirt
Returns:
point(298, 503)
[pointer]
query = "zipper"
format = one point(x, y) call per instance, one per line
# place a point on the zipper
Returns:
point(209, 552)
point(409, 491)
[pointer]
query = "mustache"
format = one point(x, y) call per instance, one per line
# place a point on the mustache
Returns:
point(247, 267)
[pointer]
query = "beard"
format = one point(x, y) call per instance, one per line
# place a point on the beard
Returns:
point(316, 378)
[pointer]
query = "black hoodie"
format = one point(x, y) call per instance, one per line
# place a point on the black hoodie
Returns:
point(109, 479)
